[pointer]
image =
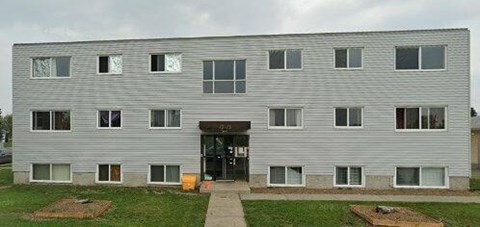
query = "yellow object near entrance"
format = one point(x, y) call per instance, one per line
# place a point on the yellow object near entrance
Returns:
point(189, 182)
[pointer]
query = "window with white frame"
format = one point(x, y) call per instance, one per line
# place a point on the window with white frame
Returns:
point(349, 117)
point(109, 119)
point(286, 175)
point(169, 118)
point(285, 59)
point(171, 62)
point(420, 177)
point(224, 76)
point(165, 174)
point(420, 58)
point(58, 120)
point(420, 118)
point(348, 176)
point(51, 67)
point(51, 173)
point(111, 64)
point(348, 58)
point(285, 118)
point(109, 173)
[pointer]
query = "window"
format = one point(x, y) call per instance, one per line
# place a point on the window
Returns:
point(421, 118)
point(109, 173)
point(420, 58)
point(224, 76)
point(349, 176)
point(420, 177)
point(109, 119)
point(59, 173)
point(349, 117)
point(171, 62)
point(285, 59)
point(165, 119)
point(286, 175)
point(110, 64)
point(285, 118)
point(348, 58)
point(56, 67)
point(51, 120)
point(164, 174)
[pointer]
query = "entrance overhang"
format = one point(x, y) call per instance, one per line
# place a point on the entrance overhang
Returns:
point(224, 126)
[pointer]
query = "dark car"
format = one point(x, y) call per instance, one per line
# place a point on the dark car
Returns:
point(5, 157)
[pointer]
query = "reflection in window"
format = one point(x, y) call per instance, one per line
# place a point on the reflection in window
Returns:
point(51, 67)
point(224, 76)
point(51, 120)
point(109, 119)
point(429, 118)
point(424, 57)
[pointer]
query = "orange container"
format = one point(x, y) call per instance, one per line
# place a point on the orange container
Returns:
point(189, 182)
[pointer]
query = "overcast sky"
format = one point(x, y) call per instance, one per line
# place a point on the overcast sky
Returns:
point(55, 20)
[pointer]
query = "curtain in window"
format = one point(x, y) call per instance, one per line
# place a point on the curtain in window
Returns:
point(355, 117)
point(437, 118)
point(116, 64)
point(41, 172)
point(355, 176)
point(433, 177)
point(158, 118)
point(341, 176)
point(116, 119)
point(173, 118)
point(433, 57)
point(41, 67)
point(277, 175)
point(413, 121)
point(294, 175)
point(173, 62)
point(294, 117)
point(355, 58)
point(115, 173)
point(294, 59)
point(61, 120)
point(408, 176)
point(62, 67)
point(173, 174)
point(60, 172)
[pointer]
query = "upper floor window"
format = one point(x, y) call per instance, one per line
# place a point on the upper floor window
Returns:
point(421, 118)
point(348, 58)
point(171, 62)
point(285, 118)
point(51, 120)
point(55, 67)
point(420, 58)
point(109, 119)
point(285, 59)
point(111, 64)
point(165, 118)
point(224, 76)
point(348, 117)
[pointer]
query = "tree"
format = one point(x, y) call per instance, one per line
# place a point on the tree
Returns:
point(2, 125)
point(8, 125)
point(473, 112)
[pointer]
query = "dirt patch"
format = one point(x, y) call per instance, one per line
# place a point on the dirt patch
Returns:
point(365, 191)
point(71, 208)
point(400, 217)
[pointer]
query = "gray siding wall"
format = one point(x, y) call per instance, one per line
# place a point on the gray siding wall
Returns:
point(318, 88)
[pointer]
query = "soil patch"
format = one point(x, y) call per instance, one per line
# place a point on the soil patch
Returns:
point(72, 208)
point(400, 217)
point(440, 192)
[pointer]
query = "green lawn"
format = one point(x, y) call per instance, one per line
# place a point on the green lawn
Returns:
point(333, 213)
point(131, 206)
point(474, 184)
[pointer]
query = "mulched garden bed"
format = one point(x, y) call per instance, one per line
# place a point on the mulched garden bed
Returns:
point(72, 208)
point(439, 192)
point(401, 217)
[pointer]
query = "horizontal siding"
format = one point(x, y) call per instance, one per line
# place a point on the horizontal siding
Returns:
point(318, 88)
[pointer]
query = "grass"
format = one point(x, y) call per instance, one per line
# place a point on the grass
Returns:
point(474, 184)
point(8, 144)
point(337, 213)
point(131, 206)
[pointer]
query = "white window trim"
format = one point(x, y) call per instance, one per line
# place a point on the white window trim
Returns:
point(51, 173)
point(286, 175)
point(50, 77)
point(109, 65)
point(213, 80)
point(446, 180)
point(348, 185)
point(445, 55)
point(348, 118)
point(285, 60)
point(164, 174)
point(164, 72)
point(51, 121)
point(97, 175)
point(109, 119)
point(348, 58)
point(165, 118)
point(285, 118)
point(420, 119)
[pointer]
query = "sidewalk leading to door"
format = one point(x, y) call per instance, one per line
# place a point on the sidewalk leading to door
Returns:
point(225, 209)
point(353, 197)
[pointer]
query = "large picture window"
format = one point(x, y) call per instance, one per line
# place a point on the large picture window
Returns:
point(170, 118)
point(421, 177)
point(164, 174)
point(286, 176)
point(285, 118)
point(224, 76)
point(348, 58)
point(109, 173)
point(109, 119)
point(349, 117)
point(346, 176)
point(55, 67)
point(171, 62)
point(285, 59)
point(420, 118)
point(111, 64)
point(420, 58)
point(55, 173)
point(51, 120)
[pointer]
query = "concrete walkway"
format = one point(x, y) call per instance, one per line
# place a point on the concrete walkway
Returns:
point(225, 209)
point(352, 197)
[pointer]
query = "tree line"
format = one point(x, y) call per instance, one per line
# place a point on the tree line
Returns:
point(6, 127)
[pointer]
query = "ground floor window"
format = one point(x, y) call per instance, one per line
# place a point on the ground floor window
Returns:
point(420, 177)
point(109, 173)
point(51, 173)
point(164, 174)
point(348, 176)
point(286, 175)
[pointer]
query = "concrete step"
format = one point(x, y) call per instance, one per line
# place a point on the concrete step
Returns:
point(224, 187)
